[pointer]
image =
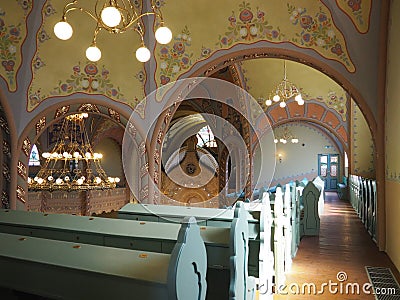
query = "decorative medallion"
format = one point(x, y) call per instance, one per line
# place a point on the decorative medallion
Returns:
point(40, 124)
point(21, 168)
point(26, 146)
point(113, 114)
point(88, 108)
point(21, 193)
point(61, 111)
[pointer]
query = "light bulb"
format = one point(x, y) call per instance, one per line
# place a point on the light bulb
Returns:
point(111, 16)
point(276, 141)
point(63, 30)
point(295, 141)
point(300, 102)
point(276, 98)
point(282, 104)
point(298, 98)
point(117, 179)
point(268, 102)
point(163, 35)
point(143, 54)
point(93, 53)
point(46, 155)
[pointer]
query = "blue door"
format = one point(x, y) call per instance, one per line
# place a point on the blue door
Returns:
point(328, 170)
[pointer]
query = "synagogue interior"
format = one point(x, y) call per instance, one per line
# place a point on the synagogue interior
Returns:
point(146, 129)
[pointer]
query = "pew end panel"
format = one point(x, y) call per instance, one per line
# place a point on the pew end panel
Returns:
point(51, 267)
point(310, 223)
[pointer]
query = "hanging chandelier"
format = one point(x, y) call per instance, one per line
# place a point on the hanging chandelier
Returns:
point(72, 165)
point(284, 91)
point(114, 16)
point(285, 137)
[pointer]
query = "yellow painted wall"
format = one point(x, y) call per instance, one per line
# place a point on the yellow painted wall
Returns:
point(392, 137)
point(393, 221)
point(362, 146)
point(112, 157)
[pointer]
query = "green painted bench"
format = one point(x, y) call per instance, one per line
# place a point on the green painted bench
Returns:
point(259, 258)
point(137, 235)
point(54, 269)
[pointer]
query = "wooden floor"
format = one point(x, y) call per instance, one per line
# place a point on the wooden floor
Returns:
point(342, 246)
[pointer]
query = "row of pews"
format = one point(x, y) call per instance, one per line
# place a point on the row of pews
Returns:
point(50, 255)
point(363, 199)
point(163, 252)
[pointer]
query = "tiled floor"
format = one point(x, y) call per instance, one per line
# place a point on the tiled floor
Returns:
point(342, 246)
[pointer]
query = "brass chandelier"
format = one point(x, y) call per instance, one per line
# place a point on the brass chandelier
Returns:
point(286, 137)
point(114, 16)
point(72, 165)
point(284, 91)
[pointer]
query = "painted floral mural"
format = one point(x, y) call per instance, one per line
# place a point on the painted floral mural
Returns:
point(175, 57)
point(248, 25)
point(318, 32)
point(11, 38)
point(88, 79)
point(359, 12)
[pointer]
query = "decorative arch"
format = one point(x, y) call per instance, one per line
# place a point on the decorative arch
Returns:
point(48, 117)
point(255, 51)
point(8, 161)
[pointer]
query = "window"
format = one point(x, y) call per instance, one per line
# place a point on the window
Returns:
point(34, 157)
point(205, 137)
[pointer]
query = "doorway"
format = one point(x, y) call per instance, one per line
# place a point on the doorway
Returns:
point(328, 170)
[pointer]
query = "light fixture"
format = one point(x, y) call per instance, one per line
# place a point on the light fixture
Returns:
point(114, 16)
point(286, 137)
point(72, 165)
point(284, 91)
point(280, 156)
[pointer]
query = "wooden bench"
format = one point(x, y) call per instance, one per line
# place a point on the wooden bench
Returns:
point(310, 222)
point(55, 269)
point(138, 235)
point(321, 200)
point(210, 217)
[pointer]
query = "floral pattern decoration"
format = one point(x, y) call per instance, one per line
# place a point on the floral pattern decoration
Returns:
point(88, 79)
point(247, 26)
point(10, 38)
point(175, 59)
point(358, 11)
point(318, 32)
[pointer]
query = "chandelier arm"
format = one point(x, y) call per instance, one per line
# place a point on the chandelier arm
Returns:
point(140, 16)
point(95, 33)
point(64, 17)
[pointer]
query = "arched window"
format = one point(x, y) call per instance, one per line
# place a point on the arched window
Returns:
point(34, 157)
point(205, 137)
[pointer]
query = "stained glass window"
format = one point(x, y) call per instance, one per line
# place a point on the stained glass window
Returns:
point(205, 137)
point(34, 157)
